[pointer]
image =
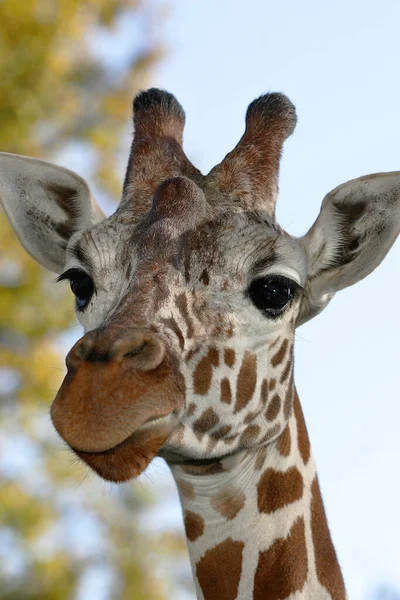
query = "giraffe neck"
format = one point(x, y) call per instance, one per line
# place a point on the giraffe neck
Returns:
point(256, 526)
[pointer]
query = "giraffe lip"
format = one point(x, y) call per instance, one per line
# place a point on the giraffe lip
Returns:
point(151, 423)
point(130, 457)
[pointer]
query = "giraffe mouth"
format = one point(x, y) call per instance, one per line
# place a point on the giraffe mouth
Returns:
point(129, 458)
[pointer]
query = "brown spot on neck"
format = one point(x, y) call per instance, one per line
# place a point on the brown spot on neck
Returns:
point(249, 436)
point(264, 392)
point(276, 489)
point(303, 440)
point(203, 469)
point(273, 408)
point(284, 442)
point(228, 502)
point(288, 403)
point(288, 368)
point(194, 525)
point(282, 569)
point(246, 382)
point(219, 569)
point(280, 355)
point(326, 563)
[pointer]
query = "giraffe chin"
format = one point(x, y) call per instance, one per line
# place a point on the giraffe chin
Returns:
point(130, 458)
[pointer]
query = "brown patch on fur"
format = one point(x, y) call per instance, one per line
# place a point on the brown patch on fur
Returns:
point(203, 372)
point(287, 405)
point(209, 469)
point(221, 432)
point(246, 382)
point(303, 440)
point(219, 569)
point(251, 416)
point(261, 456)
point(288, 367)
point(194, 525)
point(273, 408)
point(280, 355)
point(282, 569)
point(326, 563)
point(191, 409)
point(271, 434)
point(207, 420)
point(284, 442)
point(228, 502)
point(226, 393)
point(229, 357)
point(249, 435)
point(272, 384)
point(264, 392)
point(276, 489)
point(185, 488)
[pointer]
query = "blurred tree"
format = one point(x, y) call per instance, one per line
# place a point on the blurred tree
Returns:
point(68, 71)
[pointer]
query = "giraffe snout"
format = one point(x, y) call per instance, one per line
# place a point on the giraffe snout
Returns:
point(138, 349)
point(117, 380)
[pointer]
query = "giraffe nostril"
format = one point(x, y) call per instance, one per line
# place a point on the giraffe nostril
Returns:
point(136, 351)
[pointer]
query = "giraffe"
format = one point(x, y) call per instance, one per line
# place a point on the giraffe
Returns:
point(189, 295)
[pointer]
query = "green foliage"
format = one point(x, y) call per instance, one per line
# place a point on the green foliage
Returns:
point(59, 91)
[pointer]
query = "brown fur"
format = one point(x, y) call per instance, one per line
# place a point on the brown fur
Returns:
point(205, 422)
point(303, 440)
point(218, 571)
point(194, 525)
point(282, 569)
point(273, 408)
point(284, 442)
point(246, 381)
point(228, 502)
point(226, 393)
point(276, 489)
point(328, 570)
point(229, 357)
point(280, 355)
point(203, 372)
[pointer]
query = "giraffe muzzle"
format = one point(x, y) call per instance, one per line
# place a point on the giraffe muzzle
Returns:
point(117, 381)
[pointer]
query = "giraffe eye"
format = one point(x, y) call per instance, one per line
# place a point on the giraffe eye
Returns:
point(271, 294)
point(81, 285)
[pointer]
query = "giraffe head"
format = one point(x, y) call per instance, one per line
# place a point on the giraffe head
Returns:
point(190, 293)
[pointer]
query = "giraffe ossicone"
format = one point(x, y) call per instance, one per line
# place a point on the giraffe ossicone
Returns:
point(189, 295)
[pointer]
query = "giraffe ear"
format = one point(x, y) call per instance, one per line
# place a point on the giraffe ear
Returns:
point(358, 223)
point(46, 205)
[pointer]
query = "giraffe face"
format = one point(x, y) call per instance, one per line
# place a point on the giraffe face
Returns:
point(229, 359)
point(190, 292)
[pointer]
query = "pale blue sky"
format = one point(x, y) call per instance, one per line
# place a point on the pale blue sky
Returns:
point(339, 64)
